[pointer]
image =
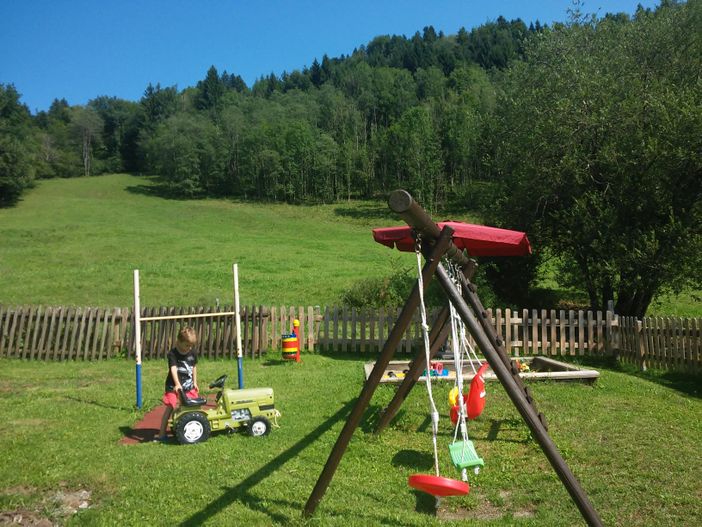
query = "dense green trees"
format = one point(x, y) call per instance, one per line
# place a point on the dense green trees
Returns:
point(187, 152)
point(18, 146)
point(598, 148)
point(118, 133)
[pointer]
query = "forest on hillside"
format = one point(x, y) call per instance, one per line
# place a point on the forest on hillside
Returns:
point(397, 111)
point(586, 134)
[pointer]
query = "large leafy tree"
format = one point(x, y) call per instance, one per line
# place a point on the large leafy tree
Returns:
point(598, 148)
point(87, 126)
point(17, 146)
point(119, 131)
point(411, 156)
point(189, 153)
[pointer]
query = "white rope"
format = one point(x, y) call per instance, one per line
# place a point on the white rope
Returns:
point(466, 346)
point(461, 349)
point(425, 333)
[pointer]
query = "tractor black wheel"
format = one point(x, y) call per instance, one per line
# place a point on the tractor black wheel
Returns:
point(259, 426)
point(192, 428)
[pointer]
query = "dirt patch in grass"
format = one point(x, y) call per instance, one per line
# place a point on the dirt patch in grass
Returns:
point(52, 510)
point(6, 387)
point(485, 510)
point(24, 517)
point(68, 502)
point(29, 422)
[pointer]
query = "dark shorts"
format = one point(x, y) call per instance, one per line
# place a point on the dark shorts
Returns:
point(171, 398)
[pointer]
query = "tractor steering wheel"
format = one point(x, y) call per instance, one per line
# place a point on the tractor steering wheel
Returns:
point(219, 383)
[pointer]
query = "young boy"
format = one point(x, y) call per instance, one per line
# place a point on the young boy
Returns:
point(182, 374)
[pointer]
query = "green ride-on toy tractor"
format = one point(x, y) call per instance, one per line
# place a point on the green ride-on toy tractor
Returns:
point(252, 409)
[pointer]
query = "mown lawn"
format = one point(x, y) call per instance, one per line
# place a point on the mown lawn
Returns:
point(633, 442)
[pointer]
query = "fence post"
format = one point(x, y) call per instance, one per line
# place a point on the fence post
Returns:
point(311, 324)
point(611, 347)
point(641, 346)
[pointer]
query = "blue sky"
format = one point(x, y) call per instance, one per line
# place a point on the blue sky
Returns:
point(80, 49)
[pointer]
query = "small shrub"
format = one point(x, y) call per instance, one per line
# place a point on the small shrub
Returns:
point(390, 291)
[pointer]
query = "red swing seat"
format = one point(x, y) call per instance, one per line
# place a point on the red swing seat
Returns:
point(438, 486)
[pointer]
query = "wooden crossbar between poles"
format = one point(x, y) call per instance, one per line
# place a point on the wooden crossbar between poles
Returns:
point(196, 315)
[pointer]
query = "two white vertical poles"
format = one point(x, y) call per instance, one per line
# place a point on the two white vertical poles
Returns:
point(138, 319)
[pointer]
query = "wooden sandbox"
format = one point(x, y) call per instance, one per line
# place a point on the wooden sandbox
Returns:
point(534, 368)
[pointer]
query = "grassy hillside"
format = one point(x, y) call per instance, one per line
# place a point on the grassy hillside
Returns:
point(77, 241)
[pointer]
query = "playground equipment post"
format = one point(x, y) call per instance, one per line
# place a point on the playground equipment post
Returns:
point(240, 370)
point(137, 337)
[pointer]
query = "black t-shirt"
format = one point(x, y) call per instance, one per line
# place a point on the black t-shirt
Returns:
point(185, 364)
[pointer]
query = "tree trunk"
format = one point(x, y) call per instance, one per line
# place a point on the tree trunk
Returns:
point(634, 302)
point(86, 153)
point(624, 300)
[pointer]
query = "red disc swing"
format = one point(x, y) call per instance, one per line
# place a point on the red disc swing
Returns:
point(435, 485)
point(438, 485)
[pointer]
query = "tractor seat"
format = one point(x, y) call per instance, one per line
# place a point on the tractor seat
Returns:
point(194, 401)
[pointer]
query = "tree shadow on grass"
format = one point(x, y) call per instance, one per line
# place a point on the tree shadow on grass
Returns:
point(498, 425)
point(96, 403)
point(374, 211)
point(240, 492)
point(158, 188)
point(687, 383)
point(414, 459)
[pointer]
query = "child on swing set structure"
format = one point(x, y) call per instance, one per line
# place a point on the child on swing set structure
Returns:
point(181, 376)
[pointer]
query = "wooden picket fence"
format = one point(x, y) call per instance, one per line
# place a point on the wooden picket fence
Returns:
point(70, 333)
point(524, 332)
point(661, 342)
point(61, 333)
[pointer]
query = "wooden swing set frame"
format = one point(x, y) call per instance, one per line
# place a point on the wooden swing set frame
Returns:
point(437, 244)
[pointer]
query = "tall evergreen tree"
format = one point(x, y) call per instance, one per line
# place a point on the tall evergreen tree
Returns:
point(210, 89)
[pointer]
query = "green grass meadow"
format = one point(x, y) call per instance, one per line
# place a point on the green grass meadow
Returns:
point(77, 241)
point(633, 443)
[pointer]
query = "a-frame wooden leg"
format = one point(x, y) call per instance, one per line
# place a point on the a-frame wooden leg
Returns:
point(437, 338)
point(518, 397)
point(371, 384)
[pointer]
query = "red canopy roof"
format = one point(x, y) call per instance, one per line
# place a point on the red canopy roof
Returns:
point(478, 240)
